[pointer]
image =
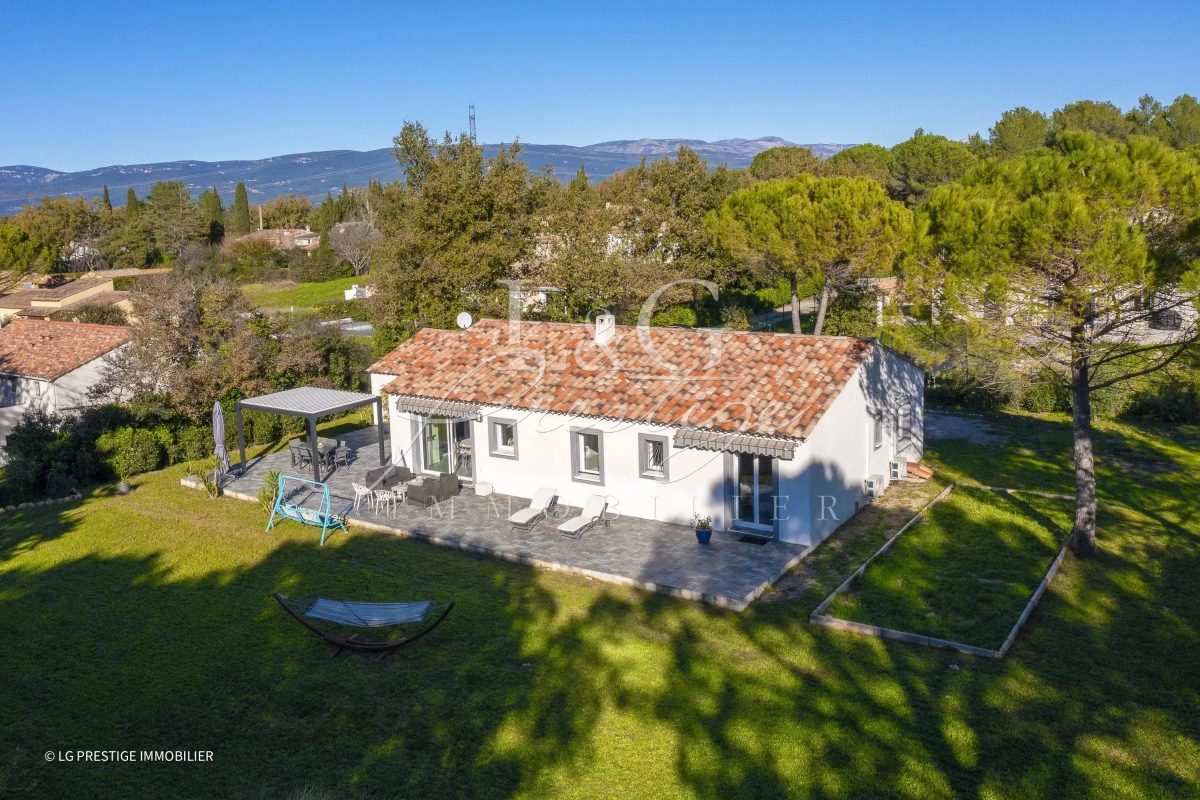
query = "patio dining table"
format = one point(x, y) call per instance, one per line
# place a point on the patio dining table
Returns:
point(325, 448)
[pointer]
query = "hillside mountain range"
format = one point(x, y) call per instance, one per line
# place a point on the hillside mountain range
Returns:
point(314, 174)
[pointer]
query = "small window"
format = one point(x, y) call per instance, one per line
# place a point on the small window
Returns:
point(502, 437)
point(1169, 320)
point(652, 458)
point(904, 423)
point(587, 456)
point(877, 435)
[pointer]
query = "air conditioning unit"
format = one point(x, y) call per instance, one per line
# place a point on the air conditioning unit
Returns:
point(875, 485)
point(898, 470)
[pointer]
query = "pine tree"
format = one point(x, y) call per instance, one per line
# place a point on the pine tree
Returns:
point(238, 219)
point(105, 202)
point(132, 205)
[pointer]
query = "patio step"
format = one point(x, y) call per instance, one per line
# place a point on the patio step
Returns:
point(918, 470)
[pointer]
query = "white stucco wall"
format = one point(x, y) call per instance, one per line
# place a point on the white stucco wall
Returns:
point(378, 381)
point(826, 482)
point(71, 390)
point(17, 390)
point(694, 484)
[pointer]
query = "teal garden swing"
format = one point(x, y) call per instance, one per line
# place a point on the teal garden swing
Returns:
point(289, 504)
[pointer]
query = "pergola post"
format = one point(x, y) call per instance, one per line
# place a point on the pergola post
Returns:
point(241, 436)
point(379, 426)
point(312, 444)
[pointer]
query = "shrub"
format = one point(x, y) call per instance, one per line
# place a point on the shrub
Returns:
point(736, 317)
point(192, 443)
point(676, 315)
point(130, 451)
point(337, 309)
point(1043, 393)
point(260, 427)
point(31, 452)
point(1174, 398)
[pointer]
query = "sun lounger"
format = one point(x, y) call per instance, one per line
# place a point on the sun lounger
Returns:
point(593, 513)
point(541, 505)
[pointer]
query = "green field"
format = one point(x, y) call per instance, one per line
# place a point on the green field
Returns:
point(145, 621)
point(286, 294)
point(963, 573)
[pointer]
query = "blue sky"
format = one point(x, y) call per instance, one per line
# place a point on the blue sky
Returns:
point(88, 85)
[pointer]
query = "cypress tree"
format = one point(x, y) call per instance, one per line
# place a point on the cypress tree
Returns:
point(105, 202)
point(214, 214)
point(327, 214)
point(132, 206)
point(238, 220)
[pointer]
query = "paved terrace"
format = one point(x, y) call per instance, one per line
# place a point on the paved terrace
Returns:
point(657, 556)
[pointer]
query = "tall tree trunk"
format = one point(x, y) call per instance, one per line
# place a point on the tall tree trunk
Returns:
point(795, 306)
point(1083, 537)
point(821, 307)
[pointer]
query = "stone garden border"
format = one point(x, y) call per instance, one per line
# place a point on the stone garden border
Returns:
point(32, 504)
point(819, 617)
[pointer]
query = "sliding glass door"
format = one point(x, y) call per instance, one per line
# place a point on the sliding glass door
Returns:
point(435, 445)
point(754, 503)
point(446, 446)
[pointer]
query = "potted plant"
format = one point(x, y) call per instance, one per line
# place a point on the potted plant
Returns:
point(703, 526)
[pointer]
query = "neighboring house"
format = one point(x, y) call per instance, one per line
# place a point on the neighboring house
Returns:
point(45, 301)
point(51, 366)
point(775, 434)
point(282, 238)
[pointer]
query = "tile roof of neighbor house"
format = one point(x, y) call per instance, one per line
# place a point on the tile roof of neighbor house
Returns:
point(101, 299)
point(49, 350)
point(755, 383)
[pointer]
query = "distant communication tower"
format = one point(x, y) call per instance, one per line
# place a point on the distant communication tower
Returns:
point(471, 115)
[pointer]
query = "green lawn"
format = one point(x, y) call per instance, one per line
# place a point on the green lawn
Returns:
point(145, 622)
point(963, 573)
point(285, 294)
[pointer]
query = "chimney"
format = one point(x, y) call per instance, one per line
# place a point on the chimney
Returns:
point(606, 328)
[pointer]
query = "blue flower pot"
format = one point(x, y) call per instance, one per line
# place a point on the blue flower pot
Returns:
point(703, 536)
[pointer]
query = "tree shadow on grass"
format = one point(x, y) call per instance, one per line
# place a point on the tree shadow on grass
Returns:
point(543, 685)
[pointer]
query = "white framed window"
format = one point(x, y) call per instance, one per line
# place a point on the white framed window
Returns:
point(502, 437)
point(904, 423)
point(877, 431)
point(652, 457)
point(587, 455)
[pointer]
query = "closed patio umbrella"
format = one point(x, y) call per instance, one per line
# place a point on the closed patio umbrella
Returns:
point(218, 425)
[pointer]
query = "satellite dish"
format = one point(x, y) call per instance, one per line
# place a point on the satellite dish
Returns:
point(464, 320)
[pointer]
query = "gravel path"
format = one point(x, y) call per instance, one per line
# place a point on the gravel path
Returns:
point(974, 429)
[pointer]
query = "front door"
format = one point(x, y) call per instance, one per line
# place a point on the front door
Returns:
point(754, 504)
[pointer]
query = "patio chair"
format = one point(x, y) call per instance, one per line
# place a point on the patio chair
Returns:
point(542, 504)
point(363, 493)
point(384, 499)
point(340, 455)
point(301, 455)
point(593, 513)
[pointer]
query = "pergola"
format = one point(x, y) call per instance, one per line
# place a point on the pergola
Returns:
point(309, 402)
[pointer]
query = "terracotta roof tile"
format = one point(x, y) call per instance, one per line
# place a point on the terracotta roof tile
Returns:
point(757, 383)
point(49, 350)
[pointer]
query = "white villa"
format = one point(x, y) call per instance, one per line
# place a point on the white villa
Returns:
point(777, 435)
point(51, 366)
